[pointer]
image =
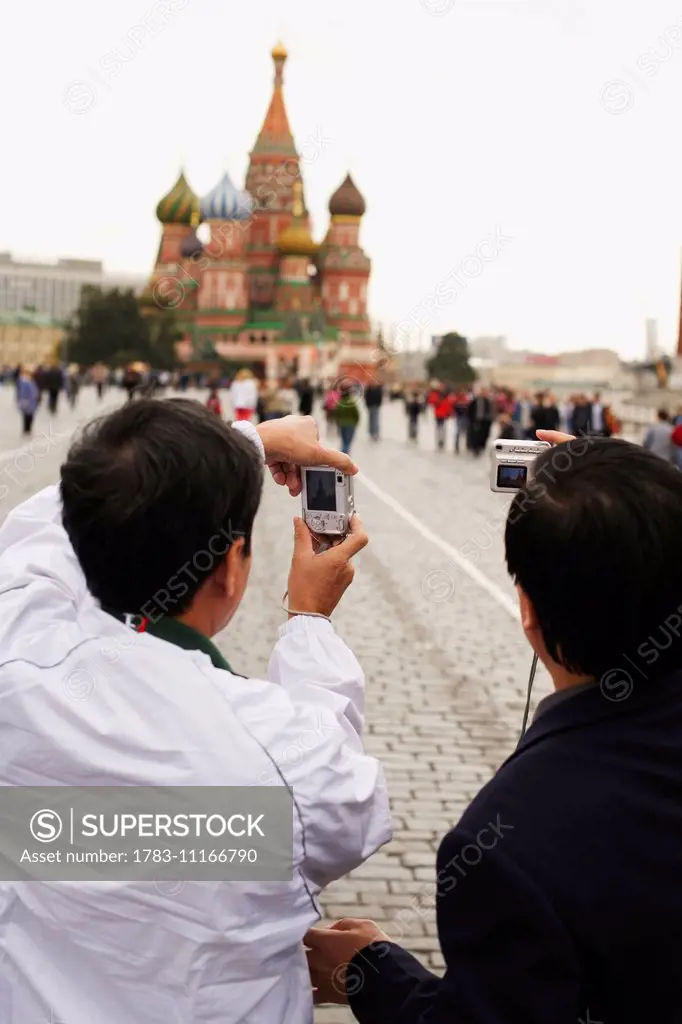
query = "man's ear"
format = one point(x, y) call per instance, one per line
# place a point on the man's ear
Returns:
point(529, 619)
point(233, 567)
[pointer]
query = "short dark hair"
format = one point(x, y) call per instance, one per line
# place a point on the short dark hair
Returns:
point(663, 415)
point(595, 541)
point(147, 489)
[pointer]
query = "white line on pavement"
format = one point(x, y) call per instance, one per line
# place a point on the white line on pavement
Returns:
point(456, 556)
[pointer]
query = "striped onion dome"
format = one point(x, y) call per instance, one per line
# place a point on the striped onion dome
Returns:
point(180, 205)
point(225, 202)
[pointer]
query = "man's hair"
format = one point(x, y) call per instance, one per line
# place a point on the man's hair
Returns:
point(595, 541)
point(153, 496)
point(663, 415)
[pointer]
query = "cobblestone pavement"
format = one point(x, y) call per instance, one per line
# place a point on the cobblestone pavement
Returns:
point(446, 663)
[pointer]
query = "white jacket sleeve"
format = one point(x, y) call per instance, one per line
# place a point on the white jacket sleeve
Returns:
point(33, 542)
point(339, 791)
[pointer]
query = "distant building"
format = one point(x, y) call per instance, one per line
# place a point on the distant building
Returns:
point(589, 370)
point(262, 292)
point(494, 349)
point(410, 367)
point(28, 338)
point(53, 289)
point(652, 349)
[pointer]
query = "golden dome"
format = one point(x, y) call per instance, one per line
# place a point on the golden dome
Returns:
point(279, 52)
point(296, 239)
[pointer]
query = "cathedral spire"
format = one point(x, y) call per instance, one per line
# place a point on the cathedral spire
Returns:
point(275, 135)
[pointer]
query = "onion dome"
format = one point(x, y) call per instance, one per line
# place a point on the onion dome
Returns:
point(296, 239)
point(347, 201)
point(225, 202)
point(180, 205)
point(191, 246)
point(279, 52)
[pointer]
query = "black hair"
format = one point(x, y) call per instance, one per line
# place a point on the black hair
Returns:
point(153, 496)
point(595, 541)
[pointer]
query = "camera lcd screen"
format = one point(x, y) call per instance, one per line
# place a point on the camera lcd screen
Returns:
point(511, 476)
point(321, 490)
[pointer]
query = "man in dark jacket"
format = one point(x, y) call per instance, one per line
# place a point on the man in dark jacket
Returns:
point(481, 415)
point(374, 396)
point(581, 419)
point(305, 398)
point(559, 892)
point(53, 382)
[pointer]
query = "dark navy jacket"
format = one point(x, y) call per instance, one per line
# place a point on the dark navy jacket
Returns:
point(560, 890)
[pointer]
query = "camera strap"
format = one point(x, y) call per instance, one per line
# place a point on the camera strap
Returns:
point(531, 680)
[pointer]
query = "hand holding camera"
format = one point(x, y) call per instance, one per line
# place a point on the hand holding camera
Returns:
point(317, 582)
point(292, 442)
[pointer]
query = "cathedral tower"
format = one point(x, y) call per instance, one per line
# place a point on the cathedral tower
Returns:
point(294, 288)
point(344, 266)
point(223, 299)
point(273, 171)
point(178, 212)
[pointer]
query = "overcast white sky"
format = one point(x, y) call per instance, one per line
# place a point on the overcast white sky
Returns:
point(455, 118)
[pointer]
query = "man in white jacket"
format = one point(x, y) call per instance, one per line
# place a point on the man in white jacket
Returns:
point(86, 699)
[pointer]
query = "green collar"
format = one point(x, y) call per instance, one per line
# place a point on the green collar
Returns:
point(189, 639)
point(177, 633)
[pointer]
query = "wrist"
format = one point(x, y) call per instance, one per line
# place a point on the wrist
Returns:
point(249, 430)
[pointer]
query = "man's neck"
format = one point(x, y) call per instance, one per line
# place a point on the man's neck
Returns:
point(564, 680)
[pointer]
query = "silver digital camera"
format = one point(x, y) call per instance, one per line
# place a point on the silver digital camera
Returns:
point(327, 498)
point(510, 462)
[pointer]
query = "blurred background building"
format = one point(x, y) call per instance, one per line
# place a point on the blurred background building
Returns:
point(28, 338)
point(53, 289)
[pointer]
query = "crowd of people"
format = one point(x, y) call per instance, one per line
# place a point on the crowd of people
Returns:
point(475, 411)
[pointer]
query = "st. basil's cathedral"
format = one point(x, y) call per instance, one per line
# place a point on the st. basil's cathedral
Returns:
point(261, 292)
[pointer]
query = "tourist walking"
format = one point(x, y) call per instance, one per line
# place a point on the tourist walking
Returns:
point(305, 398)
point(414, 407)
point(100, 376)
point(442, 403)
point(544, 414)
point(461, 408)
point(73, 384)
point(374, 396)
point(27, 398)
point(598, 414)
point(658, 439)
point(581, 417)
point(347, 415)
point(213, 402)
point(131, 381)
point(481, 419)
point(329, 403)
point(53, 380)
point(244, 395)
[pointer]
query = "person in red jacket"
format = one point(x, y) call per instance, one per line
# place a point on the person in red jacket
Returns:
point(213, 402)
point(443, 405)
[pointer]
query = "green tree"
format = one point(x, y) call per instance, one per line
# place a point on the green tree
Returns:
point(164, 332)
point(108, 327)
point(450, 363)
